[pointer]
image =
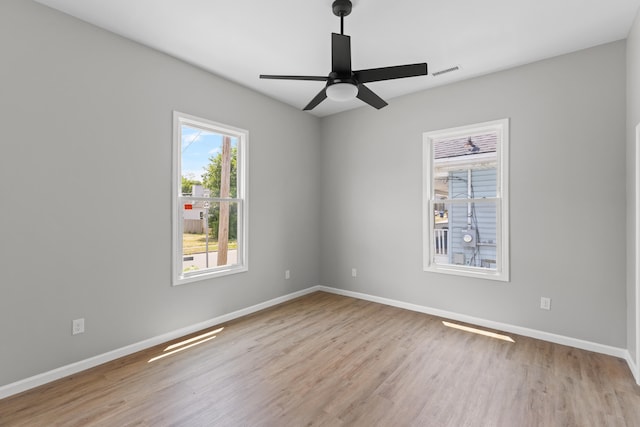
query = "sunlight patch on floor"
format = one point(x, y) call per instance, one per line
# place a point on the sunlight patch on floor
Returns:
point(188, 343)
point(478, 331)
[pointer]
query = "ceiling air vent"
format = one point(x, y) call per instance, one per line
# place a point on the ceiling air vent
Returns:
point(448, 70)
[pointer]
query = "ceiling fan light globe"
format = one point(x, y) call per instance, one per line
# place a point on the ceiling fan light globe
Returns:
point(342, 92)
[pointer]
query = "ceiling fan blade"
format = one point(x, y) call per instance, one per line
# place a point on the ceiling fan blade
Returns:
point(389, 73)
point(321, 96)
point(365, 94)
point(341, 54)
point(315, 78)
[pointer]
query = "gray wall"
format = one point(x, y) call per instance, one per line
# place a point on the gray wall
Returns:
point(85, 177)
point(567, 160)
point(633, 118)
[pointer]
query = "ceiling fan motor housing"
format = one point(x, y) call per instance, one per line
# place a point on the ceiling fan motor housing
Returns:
point(341, 78)
point(341, 7)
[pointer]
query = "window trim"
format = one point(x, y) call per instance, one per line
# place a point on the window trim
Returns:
point(242, 135)
point(502, 273)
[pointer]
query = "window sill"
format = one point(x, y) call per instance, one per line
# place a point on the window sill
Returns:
point(476, 272)
point(210, 275)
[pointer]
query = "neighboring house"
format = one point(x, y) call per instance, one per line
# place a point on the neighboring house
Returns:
point(195, 213)
point(465, 168)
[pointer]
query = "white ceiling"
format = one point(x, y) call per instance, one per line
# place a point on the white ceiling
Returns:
point(241, 39)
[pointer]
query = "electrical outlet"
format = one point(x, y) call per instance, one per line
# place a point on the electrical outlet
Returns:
point(545, 303)
point(354, 272)
point(287, 274)
point(78, 327)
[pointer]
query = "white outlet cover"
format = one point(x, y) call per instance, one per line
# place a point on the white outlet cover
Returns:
point(545, 303)
point(78, 326)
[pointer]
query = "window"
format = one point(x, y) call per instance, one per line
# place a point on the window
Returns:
point(465, 200)
point(209, 198)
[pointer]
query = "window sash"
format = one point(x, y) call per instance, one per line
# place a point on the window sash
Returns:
point(211, 199)
point(436, 251)
point(464, 201)
point(239, 240)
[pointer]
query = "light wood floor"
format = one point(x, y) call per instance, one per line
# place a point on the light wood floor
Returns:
point(328, 360)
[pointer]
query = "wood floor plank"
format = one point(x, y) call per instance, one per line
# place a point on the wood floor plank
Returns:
point(329, 360)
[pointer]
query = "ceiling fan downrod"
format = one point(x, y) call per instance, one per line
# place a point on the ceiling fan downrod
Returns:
point(341, 8)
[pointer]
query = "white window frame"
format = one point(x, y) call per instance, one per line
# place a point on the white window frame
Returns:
point(501, 272)
point(178, 277)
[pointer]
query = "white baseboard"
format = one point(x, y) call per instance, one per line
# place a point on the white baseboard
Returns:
point(64, 371)
point(633, 367)
point(73, 368)
point(532, 333)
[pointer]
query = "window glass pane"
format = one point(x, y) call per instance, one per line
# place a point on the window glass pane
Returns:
point(210, 234)
point(466, 234)
point(465, 167)
point(207, 158)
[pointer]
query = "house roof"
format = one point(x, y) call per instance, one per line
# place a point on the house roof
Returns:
point(456, 147)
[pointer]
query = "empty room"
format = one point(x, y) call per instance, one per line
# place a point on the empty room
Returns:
point(331, 212)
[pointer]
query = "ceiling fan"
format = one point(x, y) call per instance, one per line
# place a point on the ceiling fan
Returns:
point(343, 83)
